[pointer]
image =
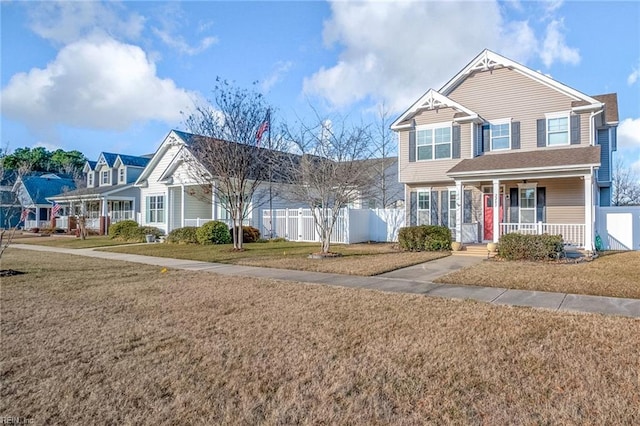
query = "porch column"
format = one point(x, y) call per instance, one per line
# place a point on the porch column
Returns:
point(182, 207)
point(104, 217)
point(588, 213)
point(214, 210)
point(460, 207)
point(496, 210)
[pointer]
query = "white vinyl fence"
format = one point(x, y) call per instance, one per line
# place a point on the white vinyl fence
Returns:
point(352, 225)
point(619, 227)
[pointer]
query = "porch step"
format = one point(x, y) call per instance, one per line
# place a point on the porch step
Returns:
point(478, 250)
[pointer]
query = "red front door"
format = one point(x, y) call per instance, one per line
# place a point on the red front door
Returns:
point(488, 215)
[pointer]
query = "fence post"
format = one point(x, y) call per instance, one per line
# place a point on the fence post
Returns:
point(300, 225)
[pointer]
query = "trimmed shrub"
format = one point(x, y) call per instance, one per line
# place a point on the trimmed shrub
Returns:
point(186, 235)
point(424, 238)
point(126, 230)
point(516, 246)
point(214, 232)
point(249, 234)
point(143, 231)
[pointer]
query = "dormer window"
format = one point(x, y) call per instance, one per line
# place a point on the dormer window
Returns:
point(105, 177)
point(121, 175)
point(90, 179)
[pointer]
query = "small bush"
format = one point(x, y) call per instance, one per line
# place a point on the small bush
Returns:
point(186, 235)
point(126, 230)
point(214, 232)
point(424, 238)
point(249, 234)
point(516, 246)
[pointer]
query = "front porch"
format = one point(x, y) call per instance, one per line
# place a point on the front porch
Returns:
point(543, 205)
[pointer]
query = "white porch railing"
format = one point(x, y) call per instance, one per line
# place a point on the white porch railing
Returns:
point(120, 215)
point(571, 233)
point(42, 224)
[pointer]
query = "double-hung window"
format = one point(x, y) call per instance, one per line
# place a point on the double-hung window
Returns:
point(557, 130)
point(434, 142)
point(90, 179)
point(424, 204)
point(121, 175)
point(500, 135)
point(527, 203)
point(155, 210)
point(105, 177)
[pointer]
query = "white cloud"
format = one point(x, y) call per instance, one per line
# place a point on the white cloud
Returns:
point(395, 51)
point(178, 42)
point(554, 47)
point(633, 77)
point(96, 83)
point(67, 21)
point(276, 75)
point(629, 133)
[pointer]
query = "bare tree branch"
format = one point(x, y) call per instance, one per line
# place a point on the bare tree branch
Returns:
point(625, 185)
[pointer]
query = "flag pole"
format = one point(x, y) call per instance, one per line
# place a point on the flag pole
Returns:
point(270, 176)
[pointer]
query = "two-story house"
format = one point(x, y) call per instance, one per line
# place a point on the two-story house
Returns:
point(502, 148)
point(109, 195)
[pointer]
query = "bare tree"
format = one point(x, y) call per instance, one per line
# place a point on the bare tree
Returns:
point(625, 185)
point(330, 174)
point(233, 156)
point(384, 145)
point(8, 232)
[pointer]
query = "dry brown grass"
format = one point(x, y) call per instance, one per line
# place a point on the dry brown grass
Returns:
point(615, 275)
point(357, 259)
point(88, 342)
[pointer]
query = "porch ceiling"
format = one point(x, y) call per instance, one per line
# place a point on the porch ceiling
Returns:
point(528, 162)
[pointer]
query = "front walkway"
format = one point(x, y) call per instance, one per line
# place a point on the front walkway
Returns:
point(415, 279)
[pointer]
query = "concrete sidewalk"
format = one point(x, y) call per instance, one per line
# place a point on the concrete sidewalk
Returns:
point(415, 279)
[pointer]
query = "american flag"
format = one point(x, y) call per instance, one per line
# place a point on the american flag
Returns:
point(24, 215)
point(55, 208)
point(263, 128)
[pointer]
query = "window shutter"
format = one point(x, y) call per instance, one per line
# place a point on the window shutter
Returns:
point(412, 146)
point(477, 140)
point(542, 133)
point(434, 208)
point(413, 208)
point(513, 205)
point(575, 129)
point(486, 138)
point(515, 135)
point(444, 199)
point(455, 141)
point(468, 201)
point(147, 214)
point(541, 204)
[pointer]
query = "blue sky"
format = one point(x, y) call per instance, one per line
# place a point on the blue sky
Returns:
point(114, 76)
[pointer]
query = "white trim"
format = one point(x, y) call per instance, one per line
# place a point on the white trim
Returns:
point(428, 192)
point(555, 116)
point(534, 186)
point(487, 60)
point(500, 122)
point(429, 101)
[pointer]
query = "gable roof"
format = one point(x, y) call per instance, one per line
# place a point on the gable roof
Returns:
point(42, 187)
point(488, 60)
point(543, 159)
point(90, 165)
point(429, 101)
point(132, 160)
point(109, 158)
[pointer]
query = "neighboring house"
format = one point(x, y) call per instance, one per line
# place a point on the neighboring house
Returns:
point(9, 205)
point(386, 190)
point(502, 148)
point(33, 191)
point(110, 195)
point(172, 197)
